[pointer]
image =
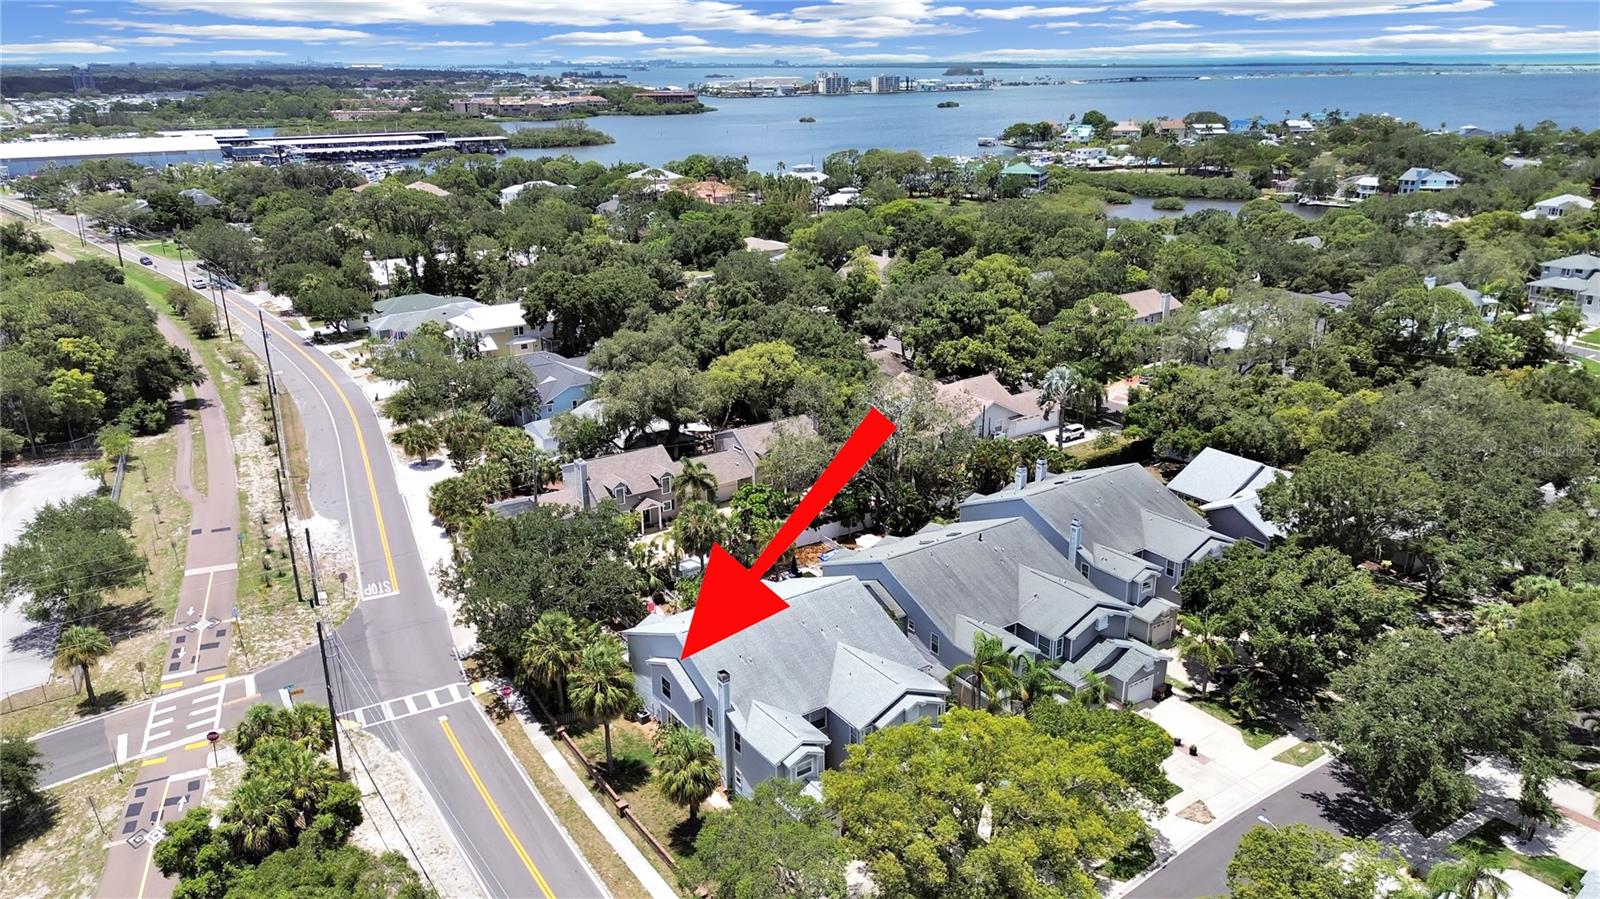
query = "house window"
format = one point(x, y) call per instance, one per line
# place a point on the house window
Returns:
point(1083, 568)
point(666, 484)
point(518, 330)
point(911, 626)
point(855, 735)
point(1044, 643)
point(711, 720)
point(805, 768)
point(819, 719)
point(1171, 572)
point(738, 780)
point(621, 493)
point(666, 688)
point(933, 643)
point(666, 504)
point(738, 744)
point(1147, 586)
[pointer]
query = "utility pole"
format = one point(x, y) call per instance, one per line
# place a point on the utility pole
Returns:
point(322, 647)
point(272, 395)
point(181, 266)
point(221, 297)
point(283, 505)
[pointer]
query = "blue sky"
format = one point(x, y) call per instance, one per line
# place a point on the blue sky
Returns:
point(841, 32)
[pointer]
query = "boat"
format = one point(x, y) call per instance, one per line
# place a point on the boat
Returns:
point(986, 141)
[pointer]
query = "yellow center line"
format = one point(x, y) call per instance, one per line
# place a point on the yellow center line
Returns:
point(212, 678)
point(361, 443)
point(149, 848)
point(172, 686)
point(155, 761)
point(495, 809)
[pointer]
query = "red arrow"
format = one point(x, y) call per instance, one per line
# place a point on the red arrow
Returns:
point(733, 597)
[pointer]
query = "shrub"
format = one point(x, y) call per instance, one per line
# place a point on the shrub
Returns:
point(1173, 204)
point(203, 319)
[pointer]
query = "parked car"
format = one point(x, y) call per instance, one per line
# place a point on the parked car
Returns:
point(146, 260)
point(1073, 432)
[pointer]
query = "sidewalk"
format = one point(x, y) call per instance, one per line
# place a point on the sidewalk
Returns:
point(649, 877)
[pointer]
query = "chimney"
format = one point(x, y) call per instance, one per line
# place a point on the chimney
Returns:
point(1166, 304)
point(580, 473)
point(1041, 468)
point(1430, 282)
point(1022, 476)
point(1074, 541)
point(724, 732)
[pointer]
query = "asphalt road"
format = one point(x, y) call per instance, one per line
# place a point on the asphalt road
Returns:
point(1323, 797)
point(397, 643)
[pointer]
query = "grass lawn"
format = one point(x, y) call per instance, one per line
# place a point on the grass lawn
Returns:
point(1301, 754)
point(60, 851)
point(163, 248)
point(1487, 839)
point(622, 882)
point(634, 781)
point(1590, 339)
point(1256, 734)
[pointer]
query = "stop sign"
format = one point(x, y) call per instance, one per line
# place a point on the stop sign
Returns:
point(213, 736)
point(505, 692)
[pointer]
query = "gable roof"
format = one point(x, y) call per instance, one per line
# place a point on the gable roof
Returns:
point(776, 732)
point(1148, 302)
point(961, 569)
point(863, 684)
point(414, 302)
point(1114, 504)
point(556, 373)
point(823, 614)
point(641, 470)
point(1215, 475)
point(1053, 606)
point(427, 188)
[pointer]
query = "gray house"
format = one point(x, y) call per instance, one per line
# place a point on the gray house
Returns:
point(845, 672)
point(639, 481)
point(1003, 578)
point(1226, 486)
point(1122, 530)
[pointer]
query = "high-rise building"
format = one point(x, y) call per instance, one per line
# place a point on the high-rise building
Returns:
point(889, 84)
point(832, 83)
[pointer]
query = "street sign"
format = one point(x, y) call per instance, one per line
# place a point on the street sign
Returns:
point(505, 692)
point(213, 736)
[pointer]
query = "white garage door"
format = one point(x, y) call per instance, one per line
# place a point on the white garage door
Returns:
point(1140, 690)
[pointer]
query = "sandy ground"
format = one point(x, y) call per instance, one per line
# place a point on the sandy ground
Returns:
point(24, 489)
point(409, 810)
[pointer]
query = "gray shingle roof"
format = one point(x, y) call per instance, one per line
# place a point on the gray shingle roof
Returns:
point(555, 372)
point(1053, 606)
point(412, 302)
point(1108, 501)
point(1214, 475)
point(823, 613)
point(1121, 659)
point(963, 569)
point(777, 732)
point(863, 684)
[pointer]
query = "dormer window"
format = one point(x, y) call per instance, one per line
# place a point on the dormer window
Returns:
point(1147, 587)
point(1102, 622)
point(620, 492)
point(666, 483)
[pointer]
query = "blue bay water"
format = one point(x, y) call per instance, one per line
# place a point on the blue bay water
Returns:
point(768, 130)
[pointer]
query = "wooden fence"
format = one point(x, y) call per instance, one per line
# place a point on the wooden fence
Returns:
point(623, 809)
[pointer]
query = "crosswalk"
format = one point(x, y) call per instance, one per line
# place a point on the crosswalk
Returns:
point(185, 714)
point(406, 706)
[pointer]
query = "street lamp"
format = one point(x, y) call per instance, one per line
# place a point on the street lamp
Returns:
point(1267, 821)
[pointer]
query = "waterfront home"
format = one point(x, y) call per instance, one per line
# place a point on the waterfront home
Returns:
point(1204, 131)
point(1556, 207)
point(711, 191)
point(1418, 178)
point(1127, 129)
point(993, 410)
point(845, 671)
point(498, 330)
point(1078, 134)
point(1365, 186)
point(653, 179)
point(1313, 241)
point(1299, 127)
point(665, 98)
point(1171, 127)
point(1119, 527)
point(1227, 488)
point(805, 171)
point(1573, 280)
point(1088, 155)
point(843, 198)
point(1151, 306)
point(638, 481)
point(1000, 578)
point(1027, 174)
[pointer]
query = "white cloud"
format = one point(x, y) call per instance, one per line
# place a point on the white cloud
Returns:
point(58, 48)
point(1310, 9)
point(1484, 39)
point(1011, 13)
point(149, 40)
point(234, 32)
point(242, 54)
point(621, 39)
point(1161, 25)
point(858, 44)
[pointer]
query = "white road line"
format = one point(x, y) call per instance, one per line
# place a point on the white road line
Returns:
point(122, 748)
point(210, 569)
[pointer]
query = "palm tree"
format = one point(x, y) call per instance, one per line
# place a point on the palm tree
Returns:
point(695, 481)
point(1202, 645)
point(309, 725)
point(601, 686)
point(420, 440)
point(698, 527)
point(1474, 876)
point(259, 817)
point(552, 648)
point(656, 567)
point(301, 777)
point(1036, 679)
point(1096, 689)
point(82, 647)
point(1066, 389)
point(989, 672)
point(687, 769)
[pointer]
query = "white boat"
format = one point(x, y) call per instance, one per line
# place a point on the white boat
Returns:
point(986, 141)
